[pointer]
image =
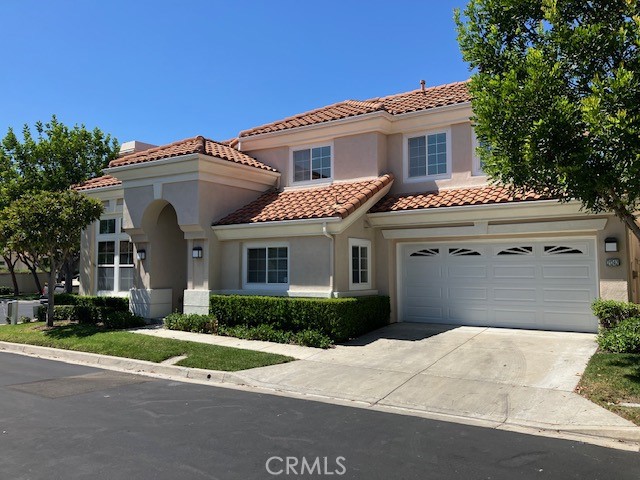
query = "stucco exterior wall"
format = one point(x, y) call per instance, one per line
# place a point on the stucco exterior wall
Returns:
point(614, 281)
point(358, 230)
point(309, 266)
point(461, 163)
point(358, 156)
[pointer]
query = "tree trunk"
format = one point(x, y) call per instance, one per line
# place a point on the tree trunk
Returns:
point(629, 220)
point(68, 276)
point(34, 273)
point(50, 293)
point(11, 266)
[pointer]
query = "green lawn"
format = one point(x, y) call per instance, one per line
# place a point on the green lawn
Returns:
point(613, 378)
point(85, 338)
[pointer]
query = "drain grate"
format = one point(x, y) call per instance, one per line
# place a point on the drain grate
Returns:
point(79, 384)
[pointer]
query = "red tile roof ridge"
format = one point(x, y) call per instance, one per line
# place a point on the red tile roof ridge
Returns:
point(315, 111)
point(419, 90)
point(98, 182)
point(157, 149)
point(317, 202)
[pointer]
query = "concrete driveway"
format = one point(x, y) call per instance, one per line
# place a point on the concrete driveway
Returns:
point(500, 376)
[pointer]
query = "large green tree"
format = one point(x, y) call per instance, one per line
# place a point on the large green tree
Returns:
point(52, 157)
point(47, 225)
point(556, 97)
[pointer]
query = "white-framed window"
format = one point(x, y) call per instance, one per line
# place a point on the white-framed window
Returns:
point(427, 155)
point(360, 262)
point(115, 265)
point(266, 266)
point(312, 163)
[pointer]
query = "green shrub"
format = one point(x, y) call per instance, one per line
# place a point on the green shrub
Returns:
point(120, 320)
point(621, 338)
point(120, 304)
point(612, 312)
point(339, 319)
point(6, 290)
point(24, 319)
point(307, 338)
point(191, 323)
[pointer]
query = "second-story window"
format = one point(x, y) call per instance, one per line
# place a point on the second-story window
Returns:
point(312, 163)
point(428, 155)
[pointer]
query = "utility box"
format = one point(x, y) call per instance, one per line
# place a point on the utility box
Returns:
point(12, 312)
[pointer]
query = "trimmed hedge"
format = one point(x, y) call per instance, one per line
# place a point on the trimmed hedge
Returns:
point(6, 290)
point(306, 338)
point(337, 318)
point(120, 304)
point(621, 338)
point(191, 323)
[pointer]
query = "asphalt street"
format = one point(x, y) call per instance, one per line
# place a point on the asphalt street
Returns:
point(60, 421)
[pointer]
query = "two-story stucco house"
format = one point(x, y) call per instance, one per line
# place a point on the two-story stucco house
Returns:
point(360, 197)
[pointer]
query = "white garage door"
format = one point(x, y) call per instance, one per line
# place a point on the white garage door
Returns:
point(542, 284)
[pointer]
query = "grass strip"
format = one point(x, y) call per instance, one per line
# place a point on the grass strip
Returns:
point(89, 338)
point(611, 379)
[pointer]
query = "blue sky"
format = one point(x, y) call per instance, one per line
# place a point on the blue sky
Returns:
point(159, 71)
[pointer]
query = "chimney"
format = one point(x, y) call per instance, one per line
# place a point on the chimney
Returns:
point(134, 146)
point(422, 85)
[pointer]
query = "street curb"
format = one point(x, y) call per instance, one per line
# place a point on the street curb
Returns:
point(620, 438)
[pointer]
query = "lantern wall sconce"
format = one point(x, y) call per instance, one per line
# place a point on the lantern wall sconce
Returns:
point(196, 252)
point(142, 255)
point(610, 244)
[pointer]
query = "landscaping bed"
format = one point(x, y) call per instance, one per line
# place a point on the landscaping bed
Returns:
point(612, 377)
point(96, 339)
point(311, 322)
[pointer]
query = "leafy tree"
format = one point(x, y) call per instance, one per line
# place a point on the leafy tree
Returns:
point(47, 225)
point(556, 97)
point(53, 158)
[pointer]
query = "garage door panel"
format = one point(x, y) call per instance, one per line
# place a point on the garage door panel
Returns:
point(515, 294)
point(568, 295)
point(544, 283)
point(567, 272)
point(467, 271)
point(514, 271)
point(468, 293)
point(469, 315)
point(519, 317)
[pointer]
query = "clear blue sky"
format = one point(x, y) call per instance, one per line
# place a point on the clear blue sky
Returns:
point(159, 71)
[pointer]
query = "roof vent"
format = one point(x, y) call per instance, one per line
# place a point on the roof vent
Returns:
point(422, 85)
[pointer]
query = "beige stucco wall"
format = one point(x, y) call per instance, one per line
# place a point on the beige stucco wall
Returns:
point(26, 283)
point(614, 281)
point(461, 163)
point(309, 264)
point(358, 230)
point(87, 260)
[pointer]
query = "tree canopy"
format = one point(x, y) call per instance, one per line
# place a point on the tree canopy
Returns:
point(556, 97)
point(48, 226)
point(57, 156)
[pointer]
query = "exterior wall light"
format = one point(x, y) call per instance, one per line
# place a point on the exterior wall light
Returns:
point(142, 255)
point(610, 244)
point(196, 252)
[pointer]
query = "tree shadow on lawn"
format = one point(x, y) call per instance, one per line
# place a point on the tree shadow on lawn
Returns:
point(631, 364)
point(71, 330)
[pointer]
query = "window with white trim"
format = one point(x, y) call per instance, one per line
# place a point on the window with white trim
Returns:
point(428, 155)
point(267, 265)
point(477, 164)
point(360, 261)
point(312, 163)
point(114, 257)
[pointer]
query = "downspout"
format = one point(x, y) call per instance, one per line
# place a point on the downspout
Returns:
point(331, 262)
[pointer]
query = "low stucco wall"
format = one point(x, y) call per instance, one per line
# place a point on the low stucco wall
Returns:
point(26, 282)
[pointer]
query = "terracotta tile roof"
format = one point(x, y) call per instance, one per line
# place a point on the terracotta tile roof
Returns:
point(415, 100)
point(197, 144)
point(453, 198)
point(336, 200)
point(98, 182)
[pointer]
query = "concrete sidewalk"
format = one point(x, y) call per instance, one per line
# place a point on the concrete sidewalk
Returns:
point(294, 351)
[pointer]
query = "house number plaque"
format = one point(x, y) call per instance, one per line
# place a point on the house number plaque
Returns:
point(613, 262)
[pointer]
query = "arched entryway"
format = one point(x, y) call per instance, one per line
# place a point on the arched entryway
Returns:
point(165, 265)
